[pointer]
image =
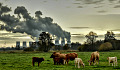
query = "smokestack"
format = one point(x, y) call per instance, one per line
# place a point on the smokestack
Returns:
point(63, 42)
point(17, 43)
point(56, 42)
point(68, 42)
point(30, 43)
point(24, 44)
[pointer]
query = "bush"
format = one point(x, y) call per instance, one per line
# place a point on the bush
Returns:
point(81, 48)
point(66, 47)
point(29, 49)
point(105, 46)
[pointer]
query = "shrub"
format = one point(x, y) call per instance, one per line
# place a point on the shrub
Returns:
point(28, 49)
point(80, 48)
point(105, 46)
point(66, 47)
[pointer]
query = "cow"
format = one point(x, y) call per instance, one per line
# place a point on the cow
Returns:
point(37, 59)
point(94, 58)
point(112, 60)
point(79, 62)
point(61, 57)
point(58, 60)
point(70, 56)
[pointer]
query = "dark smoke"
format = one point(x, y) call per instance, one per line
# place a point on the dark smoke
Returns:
point(31, 25)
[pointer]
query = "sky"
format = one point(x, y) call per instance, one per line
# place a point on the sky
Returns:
point(78, 17)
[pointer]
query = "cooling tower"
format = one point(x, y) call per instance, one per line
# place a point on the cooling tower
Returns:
point(24, 44)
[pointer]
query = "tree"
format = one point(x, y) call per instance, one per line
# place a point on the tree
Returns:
point(45, 41)
point(91, 37)
point(109, 36)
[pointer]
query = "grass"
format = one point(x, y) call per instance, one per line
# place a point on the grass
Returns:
point(23, 61)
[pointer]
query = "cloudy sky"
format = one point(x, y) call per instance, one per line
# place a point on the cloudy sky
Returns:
point(78, 17)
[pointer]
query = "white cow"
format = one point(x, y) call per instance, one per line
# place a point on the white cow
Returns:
point(112, 60)
point(79, 62)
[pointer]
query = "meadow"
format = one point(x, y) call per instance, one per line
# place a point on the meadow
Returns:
point(23, 61)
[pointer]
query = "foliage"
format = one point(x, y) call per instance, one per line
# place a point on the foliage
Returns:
point(74, 46)
point(87, 47)
point(105, 46)
point(81, 48)
point(66, 47)
point(45, 42)
point(28, 49)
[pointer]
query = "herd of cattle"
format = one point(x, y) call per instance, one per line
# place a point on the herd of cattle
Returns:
point(60, 58)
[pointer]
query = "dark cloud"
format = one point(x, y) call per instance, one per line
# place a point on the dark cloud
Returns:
point(98, 3)
point(112, 1)
point(77, 34)
point(30, 25)
point(115, 30)
point(76, 3)
point(92, 1)
point(102, 11)
point(98, 6)
point(79, 27)
point(80, 7)
point(117, 6)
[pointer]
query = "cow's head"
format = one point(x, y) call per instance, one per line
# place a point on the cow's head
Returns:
point(83, 65)
point(52, 56)
point(90, 62)
point(43, 59)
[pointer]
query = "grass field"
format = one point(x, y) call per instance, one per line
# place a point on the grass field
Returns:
point(23, 61)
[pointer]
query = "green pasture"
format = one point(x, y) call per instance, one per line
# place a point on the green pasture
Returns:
point(23, 61)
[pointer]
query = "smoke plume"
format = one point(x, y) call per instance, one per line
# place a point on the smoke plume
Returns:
point(31, 25)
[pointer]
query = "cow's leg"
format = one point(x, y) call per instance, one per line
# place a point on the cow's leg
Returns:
point(112, 64)
point(64, 61)
point(57, 62)
point(75, 64)
point(94, 62)
point(33, 62)
point(116, 62)
point(98, 60)
point(68, 61)
point(38, 63)
point(54, 62)
point(78, 65)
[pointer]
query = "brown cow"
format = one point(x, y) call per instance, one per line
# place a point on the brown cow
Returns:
point(61, 57)
point(94, 58)
point(37, 59)
point(71, 56)
point(58, 60)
